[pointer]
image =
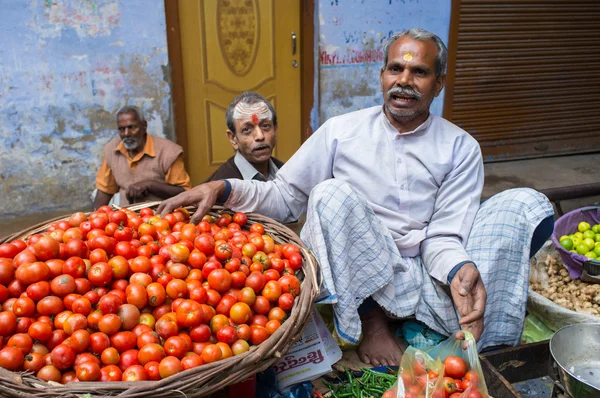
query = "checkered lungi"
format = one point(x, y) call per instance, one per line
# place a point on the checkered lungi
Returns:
point(358, 259)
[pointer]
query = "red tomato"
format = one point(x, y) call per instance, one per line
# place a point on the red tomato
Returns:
point(227, 334)
point(286, 301)
point(11, 358)
point(449, 385)
point(189, 314)
point(46, 248)
point(63, 356)
point(290, 284)
point(455, 367)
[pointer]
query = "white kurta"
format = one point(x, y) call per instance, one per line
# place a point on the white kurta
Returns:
point(425, 185)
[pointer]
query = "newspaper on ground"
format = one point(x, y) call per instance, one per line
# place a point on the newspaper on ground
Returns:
point(310, 357)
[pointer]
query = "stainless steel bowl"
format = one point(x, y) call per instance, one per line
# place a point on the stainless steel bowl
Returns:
point(576, 353)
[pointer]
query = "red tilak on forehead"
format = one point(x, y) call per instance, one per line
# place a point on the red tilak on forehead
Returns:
point(254, 118)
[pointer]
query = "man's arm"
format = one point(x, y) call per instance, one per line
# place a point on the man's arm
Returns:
point(141, 189)
point(204, 196)
point(443, 250)
point(101, 199)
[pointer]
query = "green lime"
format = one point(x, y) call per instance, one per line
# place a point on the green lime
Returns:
point(597, 251)
point(597, 238)
point(591, 243)
point(578, 235)
point(563, 237)
point(596, 228)
point(582, 248)
point(573, 251)
point(583, 226)
point(567, 243)
point(590, 255)
point(576, 241)
point(589, 234)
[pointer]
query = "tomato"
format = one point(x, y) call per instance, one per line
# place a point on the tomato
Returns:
point(189, 313)
point(46, 248)
point(76, 248)
point(225, 304)
point(211, 353)
point(473, 377)
point(57, 337)
point(33, 362)
point(227, 335)
point(63, 356)
point(200, 333)
point(103, 242)
point(129, 315)
point(74, 322)
point(109, 324)
point(175, 346)
point(7, 271)
point(63, 285)
point(8, 250)
point(220, 280)
point(152, 352)
point(128, 358)
point(134, 373)
point(439, 393)
point(109, 303)
point(205, 243)
point(258, 334)
point(99, 342)
point(24, 306)
point(455, 367)
point(256, 281)
point(156, 294)
point(11, 358)
point(88, 371)
point(50, 305)
point(261, 305)
point(286, 301)
point(166, 327)
point(26, 256)
point(29, 273)
point(240, 313)
point(40, 331)
point(449, 385)
point(176, 288)
point(123, 234)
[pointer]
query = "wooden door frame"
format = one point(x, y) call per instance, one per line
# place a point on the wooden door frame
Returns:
point(451, 65)
point(307, 78)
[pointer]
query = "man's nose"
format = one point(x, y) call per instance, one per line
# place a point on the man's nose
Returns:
point(404, 78)
point(258, 134)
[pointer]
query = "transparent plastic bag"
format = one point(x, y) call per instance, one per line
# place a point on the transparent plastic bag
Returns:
point(420, 374)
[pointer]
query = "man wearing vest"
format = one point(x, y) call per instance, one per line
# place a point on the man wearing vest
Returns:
point(138, 166)
point(252, 131)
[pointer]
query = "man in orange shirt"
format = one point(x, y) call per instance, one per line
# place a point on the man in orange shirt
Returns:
point(138, 166)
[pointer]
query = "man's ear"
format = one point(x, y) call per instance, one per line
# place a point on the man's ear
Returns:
point(232, 139)
point(439, 84)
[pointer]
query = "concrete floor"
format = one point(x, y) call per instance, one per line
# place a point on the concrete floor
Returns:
point(540, 173)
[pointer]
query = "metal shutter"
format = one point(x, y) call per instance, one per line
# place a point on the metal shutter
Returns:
point(524, 76)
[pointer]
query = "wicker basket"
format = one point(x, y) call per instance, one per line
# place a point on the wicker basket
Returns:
point(196, 382)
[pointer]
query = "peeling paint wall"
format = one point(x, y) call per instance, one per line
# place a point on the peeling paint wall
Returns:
point(350, 56)
point(66, 67)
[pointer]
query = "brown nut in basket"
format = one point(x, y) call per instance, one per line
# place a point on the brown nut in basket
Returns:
point(195, 382)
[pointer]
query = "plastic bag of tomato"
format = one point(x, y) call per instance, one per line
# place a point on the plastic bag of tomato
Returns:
point(454, 373)
point(123, 302)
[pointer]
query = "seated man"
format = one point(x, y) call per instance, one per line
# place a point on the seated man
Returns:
point(392, 195)
point(138, 166)
point(252, 140)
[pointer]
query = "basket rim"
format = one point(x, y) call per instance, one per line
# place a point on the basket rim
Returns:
point(205, 379)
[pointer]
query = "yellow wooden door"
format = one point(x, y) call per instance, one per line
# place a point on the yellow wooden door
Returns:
point(228, 47)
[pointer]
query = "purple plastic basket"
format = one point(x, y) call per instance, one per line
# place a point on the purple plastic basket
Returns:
point(566, 225)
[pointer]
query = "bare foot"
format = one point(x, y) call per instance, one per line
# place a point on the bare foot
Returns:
point(378, 346)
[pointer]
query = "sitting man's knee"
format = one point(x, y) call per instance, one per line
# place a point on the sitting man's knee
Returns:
point(328, 188)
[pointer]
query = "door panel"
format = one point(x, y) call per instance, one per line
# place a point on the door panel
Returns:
point(230, 46)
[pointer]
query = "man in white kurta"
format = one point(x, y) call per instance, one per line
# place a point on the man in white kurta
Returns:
point(391, 193)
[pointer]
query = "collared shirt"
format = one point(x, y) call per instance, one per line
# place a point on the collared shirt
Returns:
point(249, 172)
point(176, 175)
point(425, 185)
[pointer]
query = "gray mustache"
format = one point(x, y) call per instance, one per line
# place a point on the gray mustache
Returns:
point(405, 91)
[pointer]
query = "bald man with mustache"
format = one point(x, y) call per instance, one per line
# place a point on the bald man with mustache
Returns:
point(252, 132)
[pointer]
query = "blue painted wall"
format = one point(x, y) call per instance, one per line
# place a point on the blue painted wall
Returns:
point(350, 56)
point(66, 67)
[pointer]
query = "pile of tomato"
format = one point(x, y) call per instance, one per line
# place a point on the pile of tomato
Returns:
point(120, 296)
point(457, 380)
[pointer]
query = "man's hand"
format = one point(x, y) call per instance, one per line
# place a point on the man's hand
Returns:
point(203, 196)
point(469, 296)
point(138, 191)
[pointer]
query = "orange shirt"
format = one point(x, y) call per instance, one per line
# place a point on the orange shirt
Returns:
point(176, 175)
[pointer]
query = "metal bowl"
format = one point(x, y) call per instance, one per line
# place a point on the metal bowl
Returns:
point(576, 353)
